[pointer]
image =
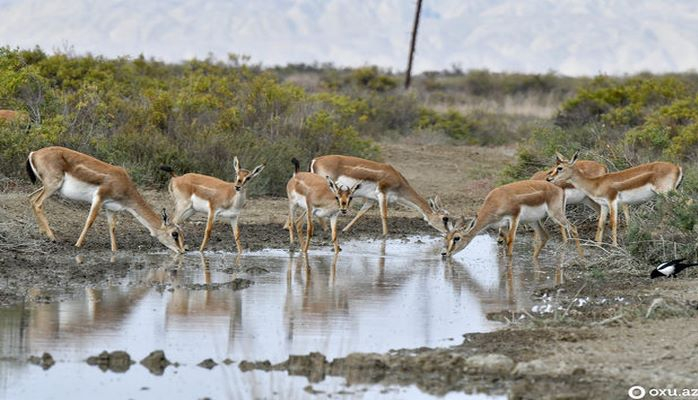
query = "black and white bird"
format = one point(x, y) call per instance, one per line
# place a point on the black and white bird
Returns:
point(670, 268)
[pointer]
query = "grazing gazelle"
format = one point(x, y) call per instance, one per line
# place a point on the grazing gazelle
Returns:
point(631, 186)
point(78, 176)
point(382, 184)
point(212, 196)
point(319, 197)
point(518, 202)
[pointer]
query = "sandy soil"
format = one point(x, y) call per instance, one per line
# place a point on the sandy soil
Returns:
point(592, 352)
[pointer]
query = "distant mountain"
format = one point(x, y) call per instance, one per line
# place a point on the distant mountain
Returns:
point(574, 37)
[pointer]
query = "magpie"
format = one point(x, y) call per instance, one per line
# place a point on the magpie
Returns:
point(670, 268)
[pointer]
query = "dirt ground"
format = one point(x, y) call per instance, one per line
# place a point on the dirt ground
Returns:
point(592, 352)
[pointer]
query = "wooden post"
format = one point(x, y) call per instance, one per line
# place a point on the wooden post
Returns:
point(408, 74)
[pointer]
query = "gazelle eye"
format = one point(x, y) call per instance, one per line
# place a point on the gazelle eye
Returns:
point(175, 235)
point(350, 198)
point(457, 238)
point(559, 169)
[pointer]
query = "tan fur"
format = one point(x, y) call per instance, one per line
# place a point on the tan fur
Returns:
point(389, 182)
point(219, 195)
point(504, 204)
point(321, 196)
point(51, 164)
point(659, 177)
point(9, 115)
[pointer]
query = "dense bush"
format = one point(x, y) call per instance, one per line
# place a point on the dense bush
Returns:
point(194, 116)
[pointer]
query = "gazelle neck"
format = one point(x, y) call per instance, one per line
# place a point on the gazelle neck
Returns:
point(144, 213)
point(583, 182)
point(410, 198)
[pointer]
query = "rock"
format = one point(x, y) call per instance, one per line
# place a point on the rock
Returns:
point(207, 363)
point(156, 362)
point(252, 365)
point(539, 368)
point(494, 364)
point(45, 361)
point(116, 361)
point(228, 361)
point(256, 271)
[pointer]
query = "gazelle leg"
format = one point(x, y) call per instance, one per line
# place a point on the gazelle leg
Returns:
point(289, 221)
point(602, 224)
point(37, 202)
point(626, 214)
point(209, 227)
point(236, 233)
point(541, 238)
point(563, 234)
point(561, 219)
point(308, 229)
point(94, 211)
point(383, 204)
point(333, 226)
point(111, 220)
point(511, 236)
point(364, 209)
point(613, 219)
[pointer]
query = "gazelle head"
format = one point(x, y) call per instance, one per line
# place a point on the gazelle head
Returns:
point(242, 176)
point(170, 234)
point(458, 236)
point(439, 217)
point(563, 171)
point(343, 194)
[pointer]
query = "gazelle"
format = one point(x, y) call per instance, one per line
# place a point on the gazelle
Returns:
point(319, 197)
point(216, 198)
point(523, 201)
point(631, 186)
point(382, 184)
point(78, 176)
point(573, 195)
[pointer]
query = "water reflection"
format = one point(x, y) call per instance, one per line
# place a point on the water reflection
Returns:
point(374, 296)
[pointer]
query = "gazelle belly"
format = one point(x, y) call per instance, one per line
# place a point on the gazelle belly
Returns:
point(199, 204)
point(634, 196)
point(75, 189)
point(298, 200)
point(533, 213)
point(325, 212)
point(574, 196)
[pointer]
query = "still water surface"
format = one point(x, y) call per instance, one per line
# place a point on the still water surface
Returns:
point(375, 296)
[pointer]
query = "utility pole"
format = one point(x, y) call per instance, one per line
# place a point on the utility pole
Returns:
point(408, 74)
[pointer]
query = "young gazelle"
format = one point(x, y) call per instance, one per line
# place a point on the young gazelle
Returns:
point(518, 202)
point(212, 196)
point(319, 197)
point(78, 176)
point(382, 184)
point(631, 186)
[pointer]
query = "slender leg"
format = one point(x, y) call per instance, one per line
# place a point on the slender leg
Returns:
point(333, 226)
point(383, 204)
point(299, 231)
point(111, 219)
point(209, 227)
point(602, 224)
point(37, 202)
point(511, 236)
point(626, 214)
point(563, 234)
point(364, 209)
point(560, 218)
point(289, 222)
point(94, 210)
point(613, 219)
point(309, 228)
point(236, 233)
point(541, 238)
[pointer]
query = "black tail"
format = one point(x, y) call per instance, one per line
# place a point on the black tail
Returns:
point(168, 169)
point(296, 165)
point(30, 171)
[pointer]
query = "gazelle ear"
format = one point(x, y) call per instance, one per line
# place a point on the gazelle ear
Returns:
point(331, 184)
point(236, 165)
point(256, 171)
point(559, 159)
point(574, 157)
point(165, 217)
point(356, 186)
point(432, 204)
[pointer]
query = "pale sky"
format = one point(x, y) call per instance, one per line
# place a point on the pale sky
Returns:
point(572, 37)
